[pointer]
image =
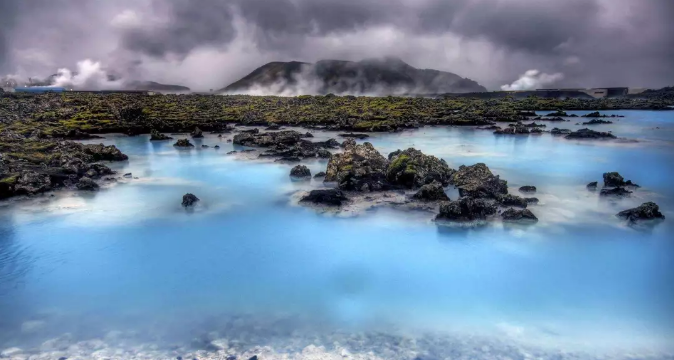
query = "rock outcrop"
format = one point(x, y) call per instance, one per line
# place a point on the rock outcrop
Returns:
point(300, 171)
point(558, 113)
point(466, 209)
point(431, 192)
point(557, 131)
point(355, 136)
point(287, 144)
point(478, 181)
point(597, 122)
point(528, 189)
point(590, 134)
point(86, 183)
point(511, 200)
point(412, 169)
point(157, 136)
point(197, 133)
point(523, 215)
point(185, 143)
point(359, 167)
point(35, 165)
point(614, 179)
point(333, 197)
point(646, 211)
point(189, 200)
point(592, 186)
point(618, 191)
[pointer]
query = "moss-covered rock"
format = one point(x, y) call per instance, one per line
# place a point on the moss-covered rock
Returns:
point(412, 169)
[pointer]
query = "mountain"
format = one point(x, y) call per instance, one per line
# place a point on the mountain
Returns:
point(385, 76)
point(155, 86)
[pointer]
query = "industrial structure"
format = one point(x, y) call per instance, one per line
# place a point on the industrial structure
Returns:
point(599, 93)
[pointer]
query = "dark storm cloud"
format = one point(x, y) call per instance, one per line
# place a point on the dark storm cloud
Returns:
point(536, 26)
point(8, 12)
point(592, 42)
point(189, 25)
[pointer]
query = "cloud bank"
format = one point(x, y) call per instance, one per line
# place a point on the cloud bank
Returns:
point(590, 42)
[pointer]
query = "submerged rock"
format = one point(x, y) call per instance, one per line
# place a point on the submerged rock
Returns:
point(359, 167)
point(157, 136)
point(590, 134)
point(466, 209)
point(431, 192)
point(320, 174)
point(189, 200)
point(527, 189)
point(618, 191)
point(332, 197)
point(592, 186)
point(411, 169)
point(478, 181)
point(523, 215)
point(645, 211)
point(300, 171)
point(183, 143)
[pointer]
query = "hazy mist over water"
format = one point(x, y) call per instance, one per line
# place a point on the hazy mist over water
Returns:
point(130, 257)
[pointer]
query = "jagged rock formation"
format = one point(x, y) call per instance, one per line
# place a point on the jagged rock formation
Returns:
point(412, 169)
point(359, 167)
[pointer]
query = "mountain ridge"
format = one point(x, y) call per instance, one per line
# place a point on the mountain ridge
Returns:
point(385, 76)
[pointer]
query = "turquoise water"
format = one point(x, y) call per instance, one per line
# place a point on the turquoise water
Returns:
point(130, 257)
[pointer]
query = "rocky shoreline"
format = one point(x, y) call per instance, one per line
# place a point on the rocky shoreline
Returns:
point(36, 164)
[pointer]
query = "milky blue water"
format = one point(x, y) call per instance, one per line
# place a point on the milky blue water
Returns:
point(130, 255)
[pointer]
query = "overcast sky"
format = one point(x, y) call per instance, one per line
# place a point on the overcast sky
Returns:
point(210, 43)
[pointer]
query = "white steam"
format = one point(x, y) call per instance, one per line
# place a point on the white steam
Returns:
point(90, 75)
point(533, 79)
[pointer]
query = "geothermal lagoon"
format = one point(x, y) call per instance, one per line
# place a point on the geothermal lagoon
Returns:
point(128, 273)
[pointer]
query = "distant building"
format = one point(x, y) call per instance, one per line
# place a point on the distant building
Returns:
point(39, 89)
point(599, 93)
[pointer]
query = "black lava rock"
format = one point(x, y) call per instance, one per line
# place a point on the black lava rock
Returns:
point(332, 197)
point(183, 143)
point(646, 211)
point(87, 184)
point(189, 200)
point(590, 134)
point(431, 192)
point(466, 209)
point(523, 215)
point(300, 171)
point(618, 191)
point(528, 189)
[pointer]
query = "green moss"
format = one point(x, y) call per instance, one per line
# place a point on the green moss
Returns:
point(10, 180)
